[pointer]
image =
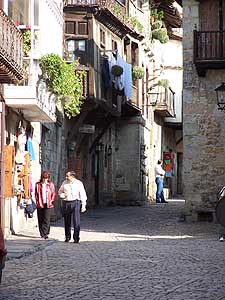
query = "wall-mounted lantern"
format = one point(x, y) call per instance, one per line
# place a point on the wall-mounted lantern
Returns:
point(220, 96)
point(153, 98)
point(109, 152)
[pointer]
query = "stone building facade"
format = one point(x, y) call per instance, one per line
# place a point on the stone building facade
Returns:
point(116, 159)
point(203, 123)
point(31, 112)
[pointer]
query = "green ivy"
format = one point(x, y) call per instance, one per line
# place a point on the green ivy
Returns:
point(158, 15)
point(63, 81)
point(134, 21)
point(117, 9)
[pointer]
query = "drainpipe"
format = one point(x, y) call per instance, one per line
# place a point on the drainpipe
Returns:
point(2, 165)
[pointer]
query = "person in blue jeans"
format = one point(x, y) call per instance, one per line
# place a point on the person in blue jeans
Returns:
point(159, 175)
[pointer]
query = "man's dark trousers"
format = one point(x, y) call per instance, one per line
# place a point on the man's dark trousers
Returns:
point(72, 209)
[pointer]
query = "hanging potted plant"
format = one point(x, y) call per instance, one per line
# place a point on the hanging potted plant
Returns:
point(137, 72)
point(117, 70)
point(164, 83)
point(161, 35)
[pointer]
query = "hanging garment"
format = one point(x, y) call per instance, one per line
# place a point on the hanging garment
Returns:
point(124, 81)
point(20, 151)
point(128, 80)
point(30, 148)
point(105, 72)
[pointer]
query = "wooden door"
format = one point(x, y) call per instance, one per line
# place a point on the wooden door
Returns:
point(209, 15)
point(212, 20)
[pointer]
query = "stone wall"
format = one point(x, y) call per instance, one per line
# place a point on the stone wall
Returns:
point(127, 163)
point(54, 157)
point(203, 126)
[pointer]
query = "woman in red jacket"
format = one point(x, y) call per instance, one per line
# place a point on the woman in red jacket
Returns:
point(45, 196)
point(3, 253)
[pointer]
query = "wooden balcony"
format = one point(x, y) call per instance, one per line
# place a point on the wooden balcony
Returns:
point(134, 98)
point(120, 9)
point(165, 102)
point(36, 102)
point(109, 12)
point(11, 51)
point(209, 50)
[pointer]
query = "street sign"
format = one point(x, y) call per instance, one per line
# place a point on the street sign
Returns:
point(87, 128)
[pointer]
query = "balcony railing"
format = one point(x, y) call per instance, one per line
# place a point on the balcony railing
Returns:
point(134, 97)
point(11, 51)
point(165, 102)
point(209, 50)
point(114, 6)
point(36, 103)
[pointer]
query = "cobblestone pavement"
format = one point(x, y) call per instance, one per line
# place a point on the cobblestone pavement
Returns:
point(125, 253)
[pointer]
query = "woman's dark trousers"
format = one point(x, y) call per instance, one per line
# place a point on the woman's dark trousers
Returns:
point(44, 216)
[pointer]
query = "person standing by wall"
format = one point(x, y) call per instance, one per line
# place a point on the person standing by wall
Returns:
point(44, 196)
point(74, 200)
point(159, 175)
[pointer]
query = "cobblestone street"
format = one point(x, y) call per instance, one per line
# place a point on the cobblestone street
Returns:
point(124, 253)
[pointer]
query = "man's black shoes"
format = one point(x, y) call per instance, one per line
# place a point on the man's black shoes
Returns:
point(76, 241)
point(67, 240)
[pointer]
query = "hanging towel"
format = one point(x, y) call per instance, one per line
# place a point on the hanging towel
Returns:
point(128, 80)
point(30, 148)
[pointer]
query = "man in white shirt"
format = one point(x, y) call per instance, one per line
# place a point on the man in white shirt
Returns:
point(159, 175)
point(74, 200)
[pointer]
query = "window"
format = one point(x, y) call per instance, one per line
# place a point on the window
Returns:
point(114, 45)
point(82, 28)
point(18, 10)
point(122, 1)
point(139, 3)
point(79, 28)
point(36, 12)
point(77, 50)
point(71, 27)
point(134, 53)
point(102, 38)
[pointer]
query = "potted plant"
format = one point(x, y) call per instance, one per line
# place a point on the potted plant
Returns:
point(26, 41)
point(164, 83)
point(137, 72)
point(161, 35)
point(157, 25)
point(117, 70)
point(159, 31)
